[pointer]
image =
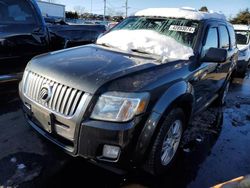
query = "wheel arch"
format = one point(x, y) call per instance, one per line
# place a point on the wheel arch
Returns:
point(180, 95)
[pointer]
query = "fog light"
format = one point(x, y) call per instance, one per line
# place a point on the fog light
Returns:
point(111, 152)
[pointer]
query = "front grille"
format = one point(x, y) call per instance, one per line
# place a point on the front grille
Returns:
point(64, 99)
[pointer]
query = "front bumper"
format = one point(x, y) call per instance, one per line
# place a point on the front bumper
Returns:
point(58, 128)
point(95, 134)
point(89, 137)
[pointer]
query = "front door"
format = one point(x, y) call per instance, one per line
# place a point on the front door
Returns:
point(207, 79)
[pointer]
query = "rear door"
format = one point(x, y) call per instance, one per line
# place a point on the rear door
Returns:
point(21, 35)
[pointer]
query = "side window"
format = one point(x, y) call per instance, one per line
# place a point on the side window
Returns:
point(224, 37)
point(212, 40)
point(15, 12)
point(232, 37)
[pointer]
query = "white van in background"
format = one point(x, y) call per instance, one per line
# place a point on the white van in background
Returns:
point(243, 43)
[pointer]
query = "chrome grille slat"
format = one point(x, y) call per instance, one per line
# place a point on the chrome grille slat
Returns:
point(35, 87)
point(30, 84)
point(55, 85)
point(43, 83)
point(73, 107)
point(64, 99)
point(70, 101)
point(56, 97)
point(60, 99)
point(38, 87)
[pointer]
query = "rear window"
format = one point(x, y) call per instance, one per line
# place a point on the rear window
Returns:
point(15, 12)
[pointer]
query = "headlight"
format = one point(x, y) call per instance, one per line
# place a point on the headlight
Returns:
point(243, 52)
point(120, 107)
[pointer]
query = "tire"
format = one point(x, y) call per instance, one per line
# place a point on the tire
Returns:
point(221, 100)
point(248, 65)
point(241, 74)
point(155, 164)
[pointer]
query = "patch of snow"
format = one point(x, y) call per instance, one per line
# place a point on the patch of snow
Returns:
point(186, 12)
point(13, 160)
point(187, 150)
point(147, 41)
point(198, 139)
point(21, 166)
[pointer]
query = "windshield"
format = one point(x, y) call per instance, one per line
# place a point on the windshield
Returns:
point(242, 37)
point(182, 30)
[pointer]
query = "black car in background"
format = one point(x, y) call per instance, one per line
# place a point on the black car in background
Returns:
point(24, 34)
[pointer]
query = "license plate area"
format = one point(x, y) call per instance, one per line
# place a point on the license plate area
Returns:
point(44, 119)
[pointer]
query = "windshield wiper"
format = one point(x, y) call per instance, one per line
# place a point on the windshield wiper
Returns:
point(155, 56)
point(104, 44)
point(140, 51)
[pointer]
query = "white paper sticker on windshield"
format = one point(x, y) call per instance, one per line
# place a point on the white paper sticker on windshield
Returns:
point(182, 28)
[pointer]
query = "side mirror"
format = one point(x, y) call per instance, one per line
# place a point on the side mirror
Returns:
point(217, 55)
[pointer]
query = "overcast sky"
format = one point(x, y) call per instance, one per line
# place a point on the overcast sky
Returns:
point(228, 7)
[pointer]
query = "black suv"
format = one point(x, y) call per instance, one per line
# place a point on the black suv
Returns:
point(124, 108)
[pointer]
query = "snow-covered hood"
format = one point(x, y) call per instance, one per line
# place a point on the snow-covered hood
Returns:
point(147, 41)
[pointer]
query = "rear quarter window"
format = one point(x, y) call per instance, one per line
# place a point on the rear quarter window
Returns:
point(15, 12)
point(232, 37)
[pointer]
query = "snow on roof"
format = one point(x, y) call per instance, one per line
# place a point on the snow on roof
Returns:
point(147, 41)
point(241, 27)
point(185, 12)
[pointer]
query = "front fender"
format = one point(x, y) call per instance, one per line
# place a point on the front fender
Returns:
point(177, 92)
